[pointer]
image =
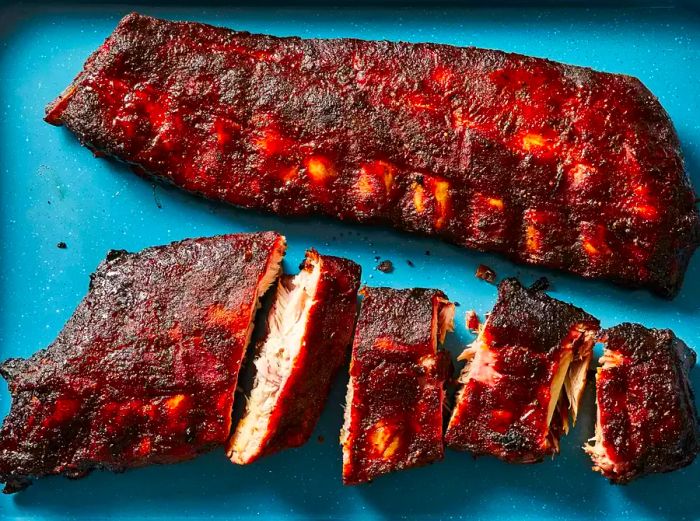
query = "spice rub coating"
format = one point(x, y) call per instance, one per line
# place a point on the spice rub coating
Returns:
point(145, 369)
point(524, 372)
point(647, 420)
point(393, 414)
point(546, 163)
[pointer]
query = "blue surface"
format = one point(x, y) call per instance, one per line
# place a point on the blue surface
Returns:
point(53, 190)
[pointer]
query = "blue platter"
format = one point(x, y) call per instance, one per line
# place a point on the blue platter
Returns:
point(53, 190)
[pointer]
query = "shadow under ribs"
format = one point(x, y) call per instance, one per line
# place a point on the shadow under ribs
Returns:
point(547, 163)
point(524, 372)
point(145, 369)
point(395, 396)
point(646, 420)
point(309, 329)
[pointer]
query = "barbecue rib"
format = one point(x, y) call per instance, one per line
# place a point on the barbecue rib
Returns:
point(647, 421)
point(145, 369)
point(393, 414)
point(310, 328)
point(531, 348)
point(546, 163)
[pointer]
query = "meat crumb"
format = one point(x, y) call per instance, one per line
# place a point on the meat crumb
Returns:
point(472, 321)
point(320, 438)
point(62, 245)
point(541, 284)
point(386, 266)
point(483, 272)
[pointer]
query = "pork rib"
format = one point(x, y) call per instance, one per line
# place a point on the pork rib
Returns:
point(310, 327)
point(393, 414)
point(524, 372)
point(647, 421)
point(145, 369)
point(546, 163)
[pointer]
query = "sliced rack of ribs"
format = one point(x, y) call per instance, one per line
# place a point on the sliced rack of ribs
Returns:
point(647, 420)
point(524, 372)
point(145, 369)
point(395, 396)
point(309, 331)
point(546, 163)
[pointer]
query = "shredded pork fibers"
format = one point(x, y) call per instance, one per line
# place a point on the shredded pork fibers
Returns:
point(523, 373)
point(288, 320)
point(297, 358)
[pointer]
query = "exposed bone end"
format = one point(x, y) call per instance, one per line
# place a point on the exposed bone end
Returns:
point(320, 168)
point(602, 462)
point(287, 323)
point(418, 198)
point(575, 382)
point(446, 319)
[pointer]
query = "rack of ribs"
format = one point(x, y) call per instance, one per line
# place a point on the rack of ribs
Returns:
point(309, 329)
point(531, 348)
point(145, 369)
point(395, 396)
point(548, 164)
point(647, 421)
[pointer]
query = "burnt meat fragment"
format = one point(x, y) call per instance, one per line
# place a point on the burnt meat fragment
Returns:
point(395, 396)
point(524, 372)
point(547, 163)
point(309, 330)
point(145, 369)
point(647, 420)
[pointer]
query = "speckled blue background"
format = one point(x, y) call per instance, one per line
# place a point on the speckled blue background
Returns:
point(53, 190)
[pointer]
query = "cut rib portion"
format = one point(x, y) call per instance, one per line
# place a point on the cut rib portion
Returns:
point(647, 421)
point(393, 414)
point(549, 164)
point(310, 328)
point(524, 371)
point(145, 369)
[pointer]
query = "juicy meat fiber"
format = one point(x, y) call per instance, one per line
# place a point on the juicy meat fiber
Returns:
point(310, 328)
point(393, 414)
point(524, 372)
point(145, 369)
point(647, 421)
point(546, 163)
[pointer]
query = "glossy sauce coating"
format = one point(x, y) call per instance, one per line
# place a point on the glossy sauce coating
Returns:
point(145, 369)
point(546, 163)
point(645, 402)
point(502, 408)
point(396, 388)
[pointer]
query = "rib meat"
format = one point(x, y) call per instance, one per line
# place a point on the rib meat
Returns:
point(547, 163)
point(525, 370)
point(647, 421)
point(145, 369)
point(310, 328)
point(393, 414)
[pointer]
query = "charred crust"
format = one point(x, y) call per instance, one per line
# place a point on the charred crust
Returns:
point(144, 370)
point(231, 118)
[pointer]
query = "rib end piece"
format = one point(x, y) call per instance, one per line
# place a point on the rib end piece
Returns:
point(646, 419)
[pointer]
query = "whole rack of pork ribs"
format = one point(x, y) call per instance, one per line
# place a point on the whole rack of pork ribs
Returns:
point(548, 164)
